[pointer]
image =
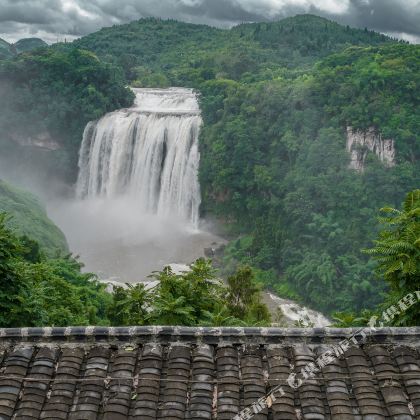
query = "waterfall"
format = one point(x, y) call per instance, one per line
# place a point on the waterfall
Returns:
point(148, 153)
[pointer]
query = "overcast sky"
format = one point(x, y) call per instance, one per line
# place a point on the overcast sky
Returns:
point(59, 19)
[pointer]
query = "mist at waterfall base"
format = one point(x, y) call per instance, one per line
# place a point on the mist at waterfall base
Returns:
point(118, 242)
point(138, 194)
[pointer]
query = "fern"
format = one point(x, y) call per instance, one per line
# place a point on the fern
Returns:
point(397, 252)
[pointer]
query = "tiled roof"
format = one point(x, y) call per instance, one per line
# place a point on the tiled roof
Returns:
point(205, 373)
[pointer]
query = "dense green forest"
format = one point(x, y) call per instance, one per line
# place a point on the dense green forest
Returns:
point(276, 100)
point(274, 165)
point(156, 52)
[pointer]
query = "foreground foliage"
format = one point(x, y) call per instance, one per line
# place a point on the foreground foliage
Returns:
point(38, 291)
point(397, 251)
point(194, 297)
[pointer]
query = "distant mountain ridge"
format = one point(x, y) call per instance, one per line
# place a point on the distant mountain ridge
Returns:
point(164, 44)
point(25, 44)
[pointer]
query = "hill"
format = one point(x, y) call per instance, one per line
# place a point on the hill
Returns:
point(275, 168)
point(30, 218)
point(5, 49)
point(28, 44)
point(176, 49)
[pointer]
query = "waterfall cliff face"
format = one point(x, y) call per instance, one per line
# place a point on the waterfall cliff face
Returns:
point(148, 153)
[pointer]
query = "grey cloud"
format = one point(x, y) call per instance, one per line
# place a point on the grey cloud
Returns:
point(73, 18)
point(383, 16)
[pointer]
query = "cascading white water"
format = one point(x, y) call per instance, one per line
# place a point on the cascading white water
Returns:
point(148, 152)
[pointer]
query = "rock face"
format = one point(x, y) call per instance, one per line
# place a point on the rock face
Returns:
point(360, 143)
point(42, 141)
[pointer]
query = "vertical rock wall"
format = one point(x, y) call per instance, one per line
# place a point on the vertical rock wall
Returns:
point(360, 143)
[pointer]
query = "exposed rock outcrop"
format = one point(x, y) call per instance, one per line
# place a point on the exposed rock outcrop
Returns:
point(42, 141)
point(360, 143)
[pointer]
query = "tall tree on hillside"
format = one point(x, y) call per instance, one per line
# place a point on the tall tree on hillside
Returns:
point(244, 295)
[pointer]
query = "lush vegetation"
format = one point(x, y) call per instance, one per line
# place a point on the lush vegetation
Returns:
point(275, 167)
point(36, 290)
point(30, 219)
point(157, 52)
point(276, 99)
point(377, 86)
point(195, 297)
point(397, 251)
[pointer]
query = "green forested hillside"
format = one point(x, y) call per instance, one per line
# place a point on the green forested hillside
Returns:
point(276, 100)
point(28, 44)
point(274, 165)
point(176, 53)
point(377, 86)
point(28, 217)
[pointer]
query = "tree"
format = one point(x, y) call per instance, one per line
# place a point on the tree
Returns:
point(186, 298)
point(38, 291)
point(197, 297)
point(242, 291)
point(244, 299)
point(397, 251)
point(11, 283)
point(129, 305)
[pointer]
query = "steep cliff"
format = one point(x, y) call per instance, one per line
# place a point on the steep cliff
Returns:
point(360, 143)
point(42, 140)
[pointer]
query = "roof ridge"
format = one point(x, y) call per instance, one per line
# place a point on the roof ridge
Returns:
point(205, 334)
